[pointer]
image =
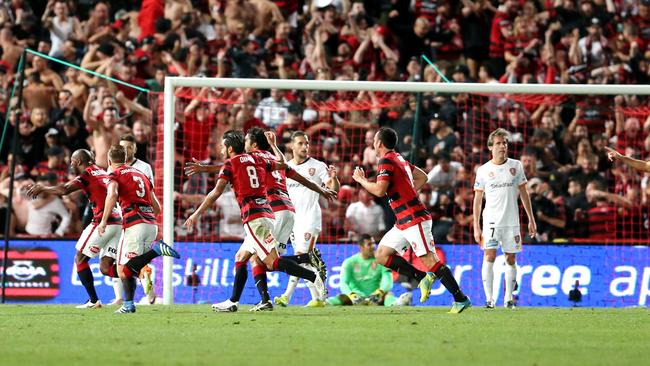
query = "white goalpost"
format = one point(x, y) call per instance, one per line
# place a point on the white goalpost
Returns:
point(171, 83)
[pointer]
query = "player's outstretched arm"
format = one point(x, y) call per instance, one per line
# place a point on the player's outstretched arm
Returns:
point(419, 178)
point(640, 165)
point(109, 203)
point(525, 199)
point(326, 193)
point(271, 138)
point(33, 190)
point(209, 200)
point(476, 215)
point(378, 189)
point(195, 167)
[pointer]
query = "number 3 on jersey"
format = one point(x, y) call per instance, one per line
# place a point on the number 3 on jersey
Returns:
point(140, 191)
point(252, 177)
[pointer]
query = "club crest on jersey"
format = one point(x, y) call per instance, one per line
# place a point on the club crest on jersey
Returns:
point(269, 239)
point(94, 249)
point(312, 171)
point(131, 255)
point(491, 174)
point(307, 236)
point(513, 171)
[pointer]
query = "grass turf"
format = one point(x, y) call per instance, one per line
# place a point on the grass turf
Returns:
point(194, 335)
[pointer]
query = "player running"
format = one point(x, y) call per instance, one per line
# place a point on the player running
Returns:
point(400, 181)
point(260, 143)
point(308, 211)
point(501, 180)
point(247, 174)
point(139, 229)
point(92, 180)
point(129, 144)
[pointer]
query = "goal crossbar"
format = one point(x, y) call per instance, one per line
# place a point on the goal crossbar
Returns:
point(171, 83)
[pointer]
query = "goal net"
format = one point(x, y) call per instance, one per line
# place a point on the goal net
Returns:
point(592, 216)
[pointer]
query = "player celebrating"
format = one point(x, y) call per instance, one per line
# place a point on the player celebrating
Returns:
point(639, 165)
point(247, 175)
point(308, 211)
point(260, 143)
point(139, 207)
point(400, 181)
point(92, 180)
point(129, 144)
point(501, 180)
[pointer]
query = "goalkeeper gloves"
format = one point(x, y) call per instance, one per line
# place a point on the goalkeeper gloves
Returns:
point(355, 298)
point(376, 297)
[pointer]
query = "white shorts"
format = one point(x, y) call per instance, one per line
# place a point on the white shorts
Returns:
point(282, 228)
point(91, 244)
point(419, 237)
point(259, 237)
point(304, 237)
point(508, 238)
point(136, 240)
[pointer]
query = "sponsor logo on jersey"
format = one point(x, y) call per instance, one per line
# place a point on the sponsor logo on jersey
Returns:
point(513, 171)
point(312, 171)
point(94, 249)
point(477, 184)
point(517, 239)
point(95, 173)
point(112, 250)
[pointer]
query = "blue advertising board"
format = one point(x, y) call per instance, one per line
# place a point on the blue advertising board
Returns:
point(608, 276)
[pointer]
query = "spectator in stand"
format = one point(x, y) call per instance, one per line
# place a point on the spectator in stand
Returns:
point(55, 165)
point(602, 211)
point(273, 109)
point(364, 216)
point(48, 215)
point(500, 30)
point(443, 174)
point(442, 139)
point(62, 26)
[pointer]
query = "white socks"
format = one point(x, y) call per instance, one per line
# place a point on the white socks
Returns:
point(511, 277)
point(293, 282)
point(118, 288)
point(488, 279)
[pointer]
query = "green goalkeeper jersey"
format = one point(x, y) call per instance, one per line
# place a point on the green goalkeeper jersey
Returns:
point(364, 276)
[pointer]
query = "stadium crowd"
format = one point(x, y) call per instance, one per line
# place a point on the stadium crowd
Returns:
point(559, 141)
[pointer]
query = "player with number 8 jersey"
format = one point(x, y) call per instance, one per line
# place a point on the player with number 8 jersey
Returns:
point(247, 174)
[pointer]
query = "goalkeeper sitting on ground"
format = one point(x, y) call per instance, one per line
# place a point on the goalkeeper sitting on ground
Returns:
point(363, 281)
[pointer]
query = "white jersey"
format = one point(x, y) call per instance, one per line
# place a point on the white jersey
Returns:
point(308, 212)
point(501, 186)
point(142, 166)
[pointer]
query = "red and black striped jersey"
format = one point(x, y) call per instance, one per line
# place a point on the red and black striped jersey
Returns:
point(93, 182)
point(134, 196)
point(276, 185)
point(247, 175)
point(401, 193)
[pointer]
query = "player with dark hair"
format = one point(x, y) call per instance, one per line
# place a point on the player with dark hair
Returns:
point(93, 181)
point(400, 181)
point(247, 174)
point(260, 143)
point(308, 223)
point(363, 281)
point(139, 209)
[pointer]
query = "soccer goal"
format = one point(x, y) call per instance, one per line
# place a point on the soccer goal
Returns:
point(592, 216)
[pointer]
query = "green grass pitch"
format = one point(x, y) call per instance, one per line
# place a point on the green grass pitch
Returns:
point(194, 335)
